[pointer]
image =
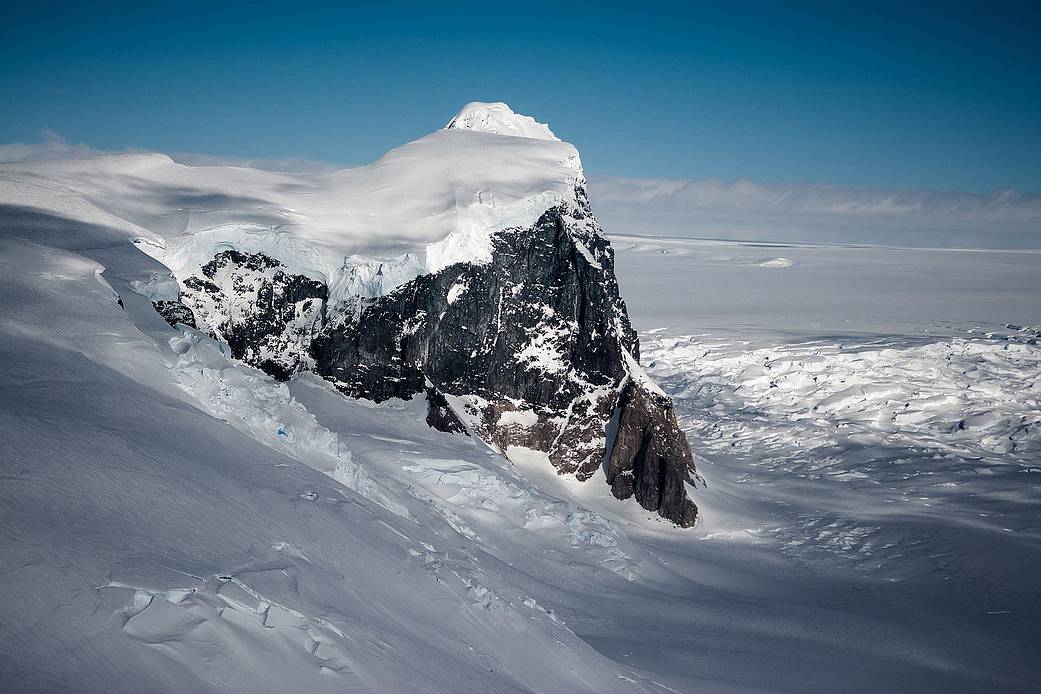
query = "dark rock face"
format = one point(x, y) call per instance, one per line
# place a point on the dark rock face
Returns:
point(531, 325)
point(267, 316)
point(533, 349)
point(174, 312)
point(650, 457)
point(440, 415)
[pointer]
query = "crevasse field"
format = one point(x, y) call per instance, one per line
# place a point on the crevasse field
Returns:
point(867, 420)
point(869, 423)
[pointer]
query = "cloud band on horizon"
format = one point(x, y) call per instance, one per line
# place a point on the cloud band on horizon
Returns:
point(742, 209)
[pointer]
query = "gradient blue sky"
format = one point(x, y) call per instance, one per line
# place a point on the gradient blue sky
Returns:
point(942, 96)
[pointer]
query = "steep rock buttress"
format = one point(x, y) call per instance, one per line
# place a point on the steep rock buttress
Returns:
point(529, 348)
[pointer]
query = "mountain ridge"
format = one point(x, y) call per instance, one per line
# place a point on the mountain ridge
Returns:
point(503, 305)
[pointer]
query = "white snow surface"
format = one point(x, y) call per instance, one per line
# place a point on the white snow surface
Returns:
point(866, 419)
point(177, 521)
point(499, 119)
point(419, 208)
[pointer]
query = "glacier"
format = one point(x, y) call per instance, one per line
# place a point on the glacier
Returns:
point(175, 520)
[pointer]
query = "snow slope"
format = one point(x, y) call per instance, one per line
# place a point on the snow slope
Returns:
point(867, 419)
point(175, 521)
point(499, 119)
point(419, 208)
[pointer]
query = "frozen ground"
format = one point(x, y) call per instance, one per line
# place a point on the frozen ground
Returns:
point(869, 423)
point(174, 521)
point(867, 420)
point(818, 291)
point(363, 230)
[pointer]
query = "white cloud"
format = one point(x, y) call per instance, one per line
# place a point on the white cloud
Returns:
point(54, 146)
point(285, 165)
point(816, 213)
point(780, 212)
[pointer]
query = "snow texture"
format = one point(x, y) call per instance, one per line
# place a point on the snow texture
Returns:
point(173, 520)
point(363, 231)
point(499, 119)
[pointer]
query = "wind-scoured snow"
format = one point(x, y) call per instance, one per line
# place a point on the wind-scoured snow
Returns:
point(419, 208)
point(177, 521)
point(866, 420)
point(499, 119)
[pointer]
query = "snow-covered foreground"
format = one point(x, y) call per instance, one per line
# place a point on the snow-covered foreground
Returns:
point(866, 421)
point(175, 521)
point(869, 423)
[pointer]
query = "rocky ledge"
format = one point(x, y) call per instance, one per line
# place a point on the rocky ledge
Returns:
point(532, 351)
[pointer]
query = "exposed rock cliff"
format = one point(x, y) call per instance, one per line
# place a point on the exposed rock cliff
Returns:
point(524, 341)
point(533, 349)
point(174, 312)
point(267, 316)
point(649, 458)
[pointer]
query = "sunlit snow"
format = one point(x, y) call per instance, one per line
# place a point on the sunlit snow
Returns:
point(866, 419)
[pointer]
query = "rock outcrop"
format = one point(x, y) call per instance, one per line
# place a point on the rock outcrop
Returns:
point(501, 309)
point(649, 457)
point(174, 312)
point(532, 350)
point(267, 316)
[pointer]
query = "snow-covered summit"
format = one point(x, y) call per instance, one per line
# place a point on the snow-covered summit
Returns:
point(419, 208)
point(499, 119)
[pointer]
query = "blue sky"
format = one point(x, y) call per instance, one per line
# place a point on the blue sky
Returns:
point(934, 96)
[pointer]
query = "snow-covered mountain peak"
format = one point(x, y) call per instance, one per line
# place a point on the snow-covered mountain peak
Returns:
point(498, 118)
point(418, 209)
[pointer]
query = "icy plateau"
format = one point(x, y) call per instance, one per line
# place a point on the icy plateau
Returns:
point(415, 427)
